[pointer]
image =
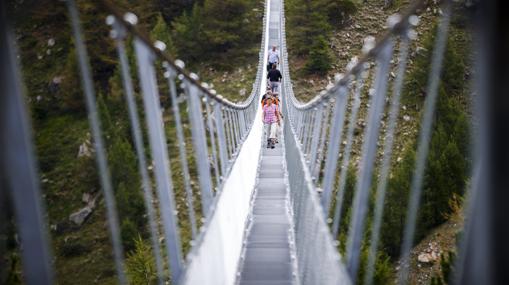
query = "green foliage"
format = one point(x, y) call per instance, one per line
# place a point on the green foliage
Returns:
point(124, 177)
point(447, 167)
point(128, 232)
point(140, 264)
point(351, 181)
point(383, 268)
point(319, 57)
point(446, 269)
point(384, 273)
point(162, 32)
point(188, 28)
point(396, 204)
point(339, 11)
point(12, 274)
point(309, 30)
point(220, 29)
point(306, 23)
point(171, 9)
point(447, 162)
point(73, 247)
point(71, 95)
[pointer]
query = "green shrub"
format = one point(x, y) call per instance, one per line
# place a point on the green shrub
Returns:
point(383, 274)
point(129, 232)
point(223, 30)
point(161, 32)
point(338, 11)
point(446, 269)
point(140, 264)
point(447, 164)
point(351, 181)
point(122, 163)
point(398, 189)
point(319, 57)
point(73, 247)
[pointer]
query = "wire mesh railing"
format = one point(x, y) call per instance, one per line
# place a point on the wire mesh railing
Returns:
point(163, 99)
point(318, 262)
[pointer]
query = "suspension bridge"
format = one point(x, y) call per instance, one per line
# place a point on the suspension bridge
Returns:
point(265, 212)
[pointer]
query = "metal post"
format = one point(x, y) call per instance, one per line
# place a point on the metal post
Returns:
point(18, 164)
point(221, 138)
point(360, 206)
point(321, 148)
point(484, 241)
point(386, 160)
point(171, 76)
point(157, 139)
point(95, 124)
point(212, 141)
point(316, 137)
point(334, 145)
point(229, 133)
point(138, 143)
point(345, 163)
point(200, 146)
point(424, 138)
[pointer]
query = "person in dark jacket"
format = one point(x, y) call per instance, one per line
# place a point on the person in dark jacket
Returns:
point(274, 77)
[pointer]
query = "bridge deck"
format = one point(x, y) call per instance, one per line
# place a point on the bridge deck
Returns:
point(267, 248)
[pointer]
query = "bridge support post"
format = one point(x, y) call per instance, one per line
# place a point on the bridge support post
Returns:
point(17, 164)
point(485, 248)
point(221, 139)
point(200, 144)
point(159, 150)
point(360, 202)
point(336, 132)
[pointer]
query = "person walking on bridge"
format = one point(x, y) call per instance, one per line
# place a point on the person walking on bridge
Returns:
point(265, 96)
point(271, 120)
point(272, 58)
point(277, 102)
point(274, 77)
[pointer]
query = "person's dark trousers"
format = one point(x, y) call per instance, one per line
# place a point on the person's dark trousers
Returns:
point(269, 66)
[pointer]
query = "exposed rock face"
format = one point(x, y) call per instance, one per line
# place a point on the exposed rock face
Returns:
point(81, 215)
point(85, 149)
point(429, 255)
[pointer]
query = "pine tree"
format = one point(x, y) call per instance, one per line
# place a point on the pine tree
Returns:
point(447, 163)
point(122, 164)
point(188, 34)
point(140, 264)
point(300, 34)
point(220, 29)
point(162, 33)
point(396, 204)
point(171, 9)
point(319, 56)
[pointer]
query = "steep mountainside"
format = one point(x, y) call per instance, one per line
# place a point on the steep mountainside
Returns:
point(448, 162)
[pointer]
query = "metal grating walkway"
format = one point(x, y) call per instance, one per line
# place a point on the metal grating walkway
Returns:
point(267, 254)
